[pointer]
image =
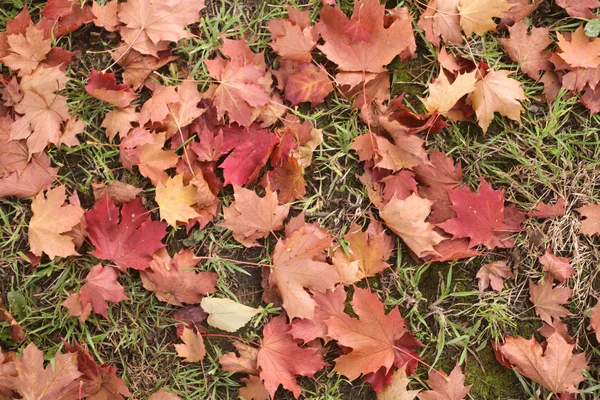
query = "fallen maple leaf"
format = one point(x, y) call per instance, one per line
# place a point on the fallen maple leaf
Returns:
point(406, 218)
point(100, 286)
point(297, 265)
point(368, 251)
point(128, 237)
point(529, 50)
point(251, 217)
point(311, 83)
point(547, 300)
point(43, 111)
point(226, 314)
point(327, 304)
point(281, 360)
point(446, 387)
point(174, 280)
point(287, 179)
point(117, 191)
point(437, 177)
point(476, 16)
point(51, 222)
point(245, 363)
point(482, 217)
point(252, 147)
point(62, 17)
point(496, 92)
point(591, 224)
point(192, 349)
point(548, 210)
point(580, 50)
point(103, 86)
point(372, 337)
point(441, 19)
point(162, 394)
point(397, 390)
point(150, 26)
point(595, 321)
point(118, 121)
point(444, 95)
point(243, 83)
point(363, 56)
point(35, 177)
point(106, 15)
point(98, 381)
point(50, 383)
point(175, 199)
point(254, 389)
point(555, 367)
point(138, 67)
point(579, 8)
point(26, 50)
point(294, 38)
point(492, 274)
point(558, 268)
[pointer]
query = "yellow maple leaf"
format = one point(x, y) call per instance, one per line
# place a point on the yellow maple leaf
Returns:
point(476, 15)
point(175, 200)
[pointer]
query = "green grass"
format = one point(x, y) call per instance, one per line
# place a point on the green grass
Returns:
point(553, 152)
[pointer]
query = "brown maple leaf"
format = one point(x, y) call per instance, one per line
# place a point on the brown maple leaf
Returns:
point(406, 218)
point(99, 382)
point(43, 111)
point(192, 349)
point(251, 217)
point(366, 253)
point(150, 26)
point(281, 360)
point(476, 16)
point(310, 83)
point(27, 50)
point(328, 304)
point(555, 367)
point(496, 92)
point(297, 265)
point(138, 66)
point(372, 337)
point(493, 274)
point(35, 177)
point(446, 387)
point(163, 394)
point(591, 224)
point(118, 121)
point(117, 191)
point(547, 300)
point(529, 50)
point(580, 50)
point(558, 268)
point(175, 281)
point(287, 179)
point(245, 363)
point(106, 15)
point(293, 39)
point(49, 383)
point(579, 8)
point(441, 19)
point(51, 222)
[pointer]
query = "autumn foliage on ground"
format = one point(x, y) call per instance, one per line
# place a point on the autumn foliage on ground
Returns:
point(235, 155)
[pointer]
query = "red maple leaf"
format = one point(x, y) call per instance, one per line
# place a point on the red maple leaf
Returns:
point(482, 217)
point(104, 87)
point(127, 237)
point(251, 147)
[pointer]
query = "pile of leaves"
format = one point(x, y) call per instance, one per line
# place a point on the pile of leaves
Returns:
point(241, 132)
